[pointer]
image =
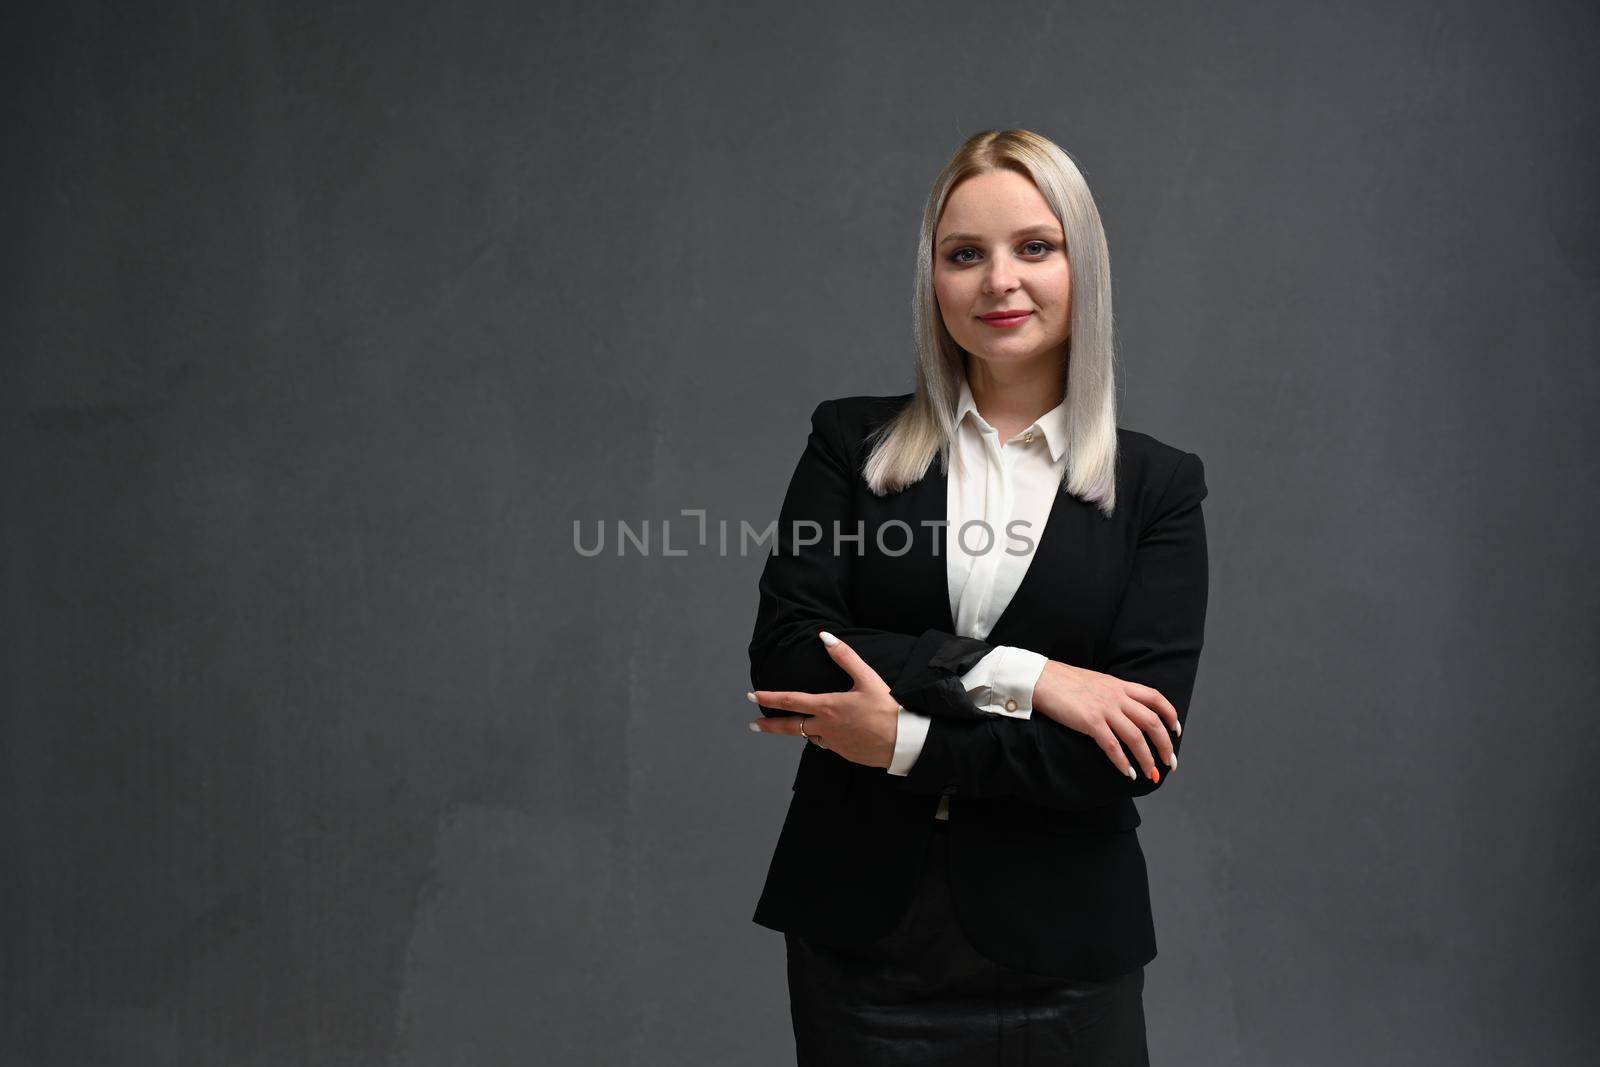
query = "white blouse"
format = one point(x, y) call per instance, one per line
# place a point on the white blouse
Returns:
point(992, 485)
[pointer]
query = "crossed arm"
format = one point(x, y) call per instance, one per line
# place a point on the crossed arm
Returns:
point(968, 750)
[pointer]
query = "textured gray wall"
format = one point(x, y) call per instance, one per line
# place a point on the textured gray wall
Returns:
point(322, 323)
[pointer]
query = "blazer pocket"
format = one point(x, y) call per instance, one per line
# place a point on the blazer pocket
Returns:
point(1109, 819)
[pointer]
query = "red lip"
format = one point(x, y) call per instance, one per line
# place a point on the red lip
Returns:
point(1004, 315)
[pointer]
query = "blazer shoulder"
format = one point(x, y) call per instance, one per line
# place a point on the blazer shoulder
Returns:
point(1157, 475)
point(857, 416)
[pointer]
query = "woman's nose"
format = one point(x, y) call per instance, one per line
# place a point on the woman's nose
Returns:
point(1001, 278)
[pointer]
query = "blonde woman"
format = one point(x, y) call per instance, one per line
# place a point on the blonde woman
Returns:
point(983, 615)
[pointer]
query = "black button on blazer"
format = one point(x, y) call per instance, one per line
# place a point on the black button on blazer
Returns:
point(1046, 870)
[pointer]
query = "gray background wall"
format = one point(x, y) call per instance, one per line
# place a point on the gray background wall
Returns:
point(322, 324)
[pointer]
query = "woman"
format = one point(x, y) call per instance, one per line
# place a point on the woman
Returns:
point(989, 657)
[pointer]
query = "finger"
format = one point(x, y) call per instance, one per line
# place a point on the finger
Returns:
point(1152, 698)
point(1108, 744)
point(783, 724)
point(1133, 737)
point(1154, 728)
point(810, 703)
point(859, 670)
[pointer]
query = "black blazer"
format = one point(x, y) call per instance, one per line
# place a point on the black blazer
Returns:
point(1046, 870)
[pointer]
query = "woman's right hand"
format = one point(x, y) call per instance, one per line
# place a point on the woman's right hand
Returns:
point(1107, 709)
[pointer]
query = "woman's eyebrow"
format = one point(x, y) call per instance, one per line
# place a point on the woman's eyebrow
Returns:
point(1043, 227)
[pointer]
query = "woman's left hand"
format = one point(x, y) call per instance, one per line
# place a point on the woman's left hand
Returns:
point(859, 724)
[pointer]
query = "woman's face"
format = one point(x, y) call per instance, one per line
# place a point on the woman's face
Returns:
point(999, 247)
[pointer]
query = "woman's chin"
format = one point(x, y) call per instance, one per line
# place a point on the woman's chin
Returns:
point(1007, 354)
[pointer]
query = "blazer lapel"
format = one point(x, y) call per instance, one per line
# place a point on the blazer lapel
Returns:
point(1044, 559)
point(933, 502)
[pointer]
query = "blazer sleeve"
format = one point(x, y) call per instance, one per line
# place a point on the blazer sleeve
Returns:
point(804, 589)
point(1155, 640)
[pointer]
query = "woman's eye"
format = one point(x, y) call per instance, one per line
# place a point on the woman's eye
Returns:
point(1044, 248)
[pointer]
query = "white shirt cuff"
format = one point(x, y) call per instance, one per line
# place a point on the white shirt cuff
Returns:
point(909, 735)
point(1002, 682)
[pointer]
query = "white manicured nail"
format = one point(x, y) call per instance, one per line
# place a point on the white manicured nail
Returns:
point(828, 639)
point(1172, 763)
point(751, 697)
point(755, 728)
point(1133, 774)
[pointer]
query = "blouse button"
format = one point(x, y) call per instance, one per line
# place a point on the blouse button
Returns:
point(1011, 705)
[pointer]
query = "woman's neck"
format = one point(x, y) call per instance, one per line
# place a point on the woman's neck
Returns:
point(1013, 401)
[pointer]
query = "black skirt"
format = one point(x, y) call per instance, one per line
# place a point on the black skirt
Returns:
point(923, 995)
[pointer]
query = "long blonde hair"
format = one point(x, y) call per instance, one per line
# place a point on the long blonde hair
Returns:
point(905, 445)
